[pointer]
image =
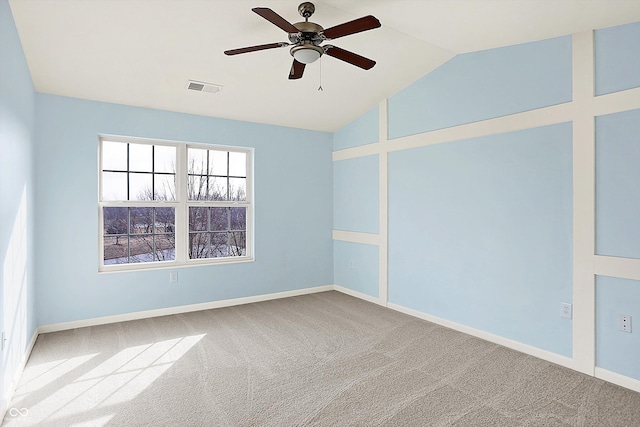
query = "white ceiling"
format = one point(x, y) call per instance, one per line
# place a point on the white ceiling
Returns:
point(142, 52)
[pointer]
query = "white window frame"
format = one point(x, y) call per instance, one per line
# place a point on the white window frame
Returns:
point(181, 206)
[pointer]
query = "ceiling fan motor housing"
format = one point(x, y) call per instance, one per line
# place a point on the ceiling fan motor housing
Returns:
point(307, 42)
point(308, 31)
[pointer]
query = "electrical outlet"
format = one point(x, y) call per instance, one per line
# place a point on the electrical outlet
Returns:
point(565, 310)
point(173, 277)
point(624, 323)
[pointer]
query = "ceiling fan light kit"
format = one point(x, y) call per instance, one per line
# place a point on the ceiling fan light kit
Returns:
point(306, 38)
point(307, 53)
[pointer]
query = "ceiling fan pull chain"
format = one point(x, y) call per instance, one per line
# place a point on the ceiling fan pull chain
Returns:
point(320, 87)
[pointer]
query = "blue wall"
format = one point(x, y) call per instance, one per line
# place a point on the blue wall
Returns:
point(355, 266)
point(484, 85)
point(480, 233)
point(17, 281)
point(362, 131)
point(356, 194)
point(617, 184)
point(617, 58)
point(293, 202)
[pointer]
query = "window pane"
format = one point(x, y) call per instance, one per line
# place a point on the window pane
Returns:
point(238, 190)
point(217, 188)
point(238, 218)
point(217, 162)
point(140, 220)
point(197, 161)
point(237, 243)
point(164, 159)
point(114, 186)
point(218, 246)
point(237, 164)
point(198, 219)
point(165, 249)
point(140, 186)
point(116, 250)
point(140, 157)
point(141, 248)
point(165, 187)
point(165, 221)
point(197, 187)
point(198, 245)
point(114, 156)
point(219, 219)
point(115, 220)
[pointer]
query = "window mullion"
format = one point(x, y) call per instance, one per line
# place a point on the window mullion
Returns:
point(182, 213)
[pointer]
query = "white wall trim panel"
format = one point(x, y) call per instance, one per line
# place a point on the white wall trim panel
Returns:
point(625, 268)
point(360, 151)
point(383, 215)
point(617, 102)
point(584, 304)
point(529, 119)
point(497, 339)
point(356, 237)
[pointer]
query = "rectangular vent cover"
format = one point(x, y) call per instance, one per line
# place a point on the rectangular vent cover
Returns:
point(203, 87)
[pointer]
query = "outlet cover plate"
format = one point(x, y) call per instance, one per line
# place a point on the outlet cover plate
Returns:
point(566, 310)
point(624, 321)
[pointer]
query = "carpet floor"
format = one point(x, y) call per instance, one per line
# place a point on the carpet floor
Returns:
point(324, 359)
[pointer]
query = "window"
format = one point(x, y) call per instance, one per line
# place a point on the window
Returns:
point(168, 204)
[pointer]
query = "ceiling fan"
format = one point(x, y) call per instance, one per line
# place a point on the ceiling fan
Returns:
point(306, 38)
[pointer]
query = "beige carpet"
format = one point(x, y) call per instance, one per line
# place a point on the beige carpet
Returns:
point(325, 359)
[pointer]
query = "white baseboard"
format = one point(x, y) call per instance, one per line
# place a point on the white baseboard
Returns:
point(618, 379)
point(359, 295)
point(4, 405)
point(179, 309)
point(567, 362)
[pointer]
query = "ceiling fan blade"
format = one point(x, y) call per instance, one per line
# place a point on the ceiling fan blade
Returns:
point(255, 48)
point(275, 19)
point(350, 57)
point(297, 68)
point(357, 25)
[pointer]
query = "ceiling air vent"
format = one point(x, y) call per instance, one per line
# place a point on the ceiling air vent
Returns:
point(203, 87)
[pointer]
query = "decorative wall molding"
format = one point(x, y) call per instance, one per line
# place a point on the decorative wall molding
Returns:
point(584, 303)
point(357, 237)
point(625, 268)
point(582, 112)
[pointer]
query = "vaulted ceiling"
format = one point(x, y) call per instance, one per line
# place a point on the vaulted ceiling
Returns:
point(142, 52)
